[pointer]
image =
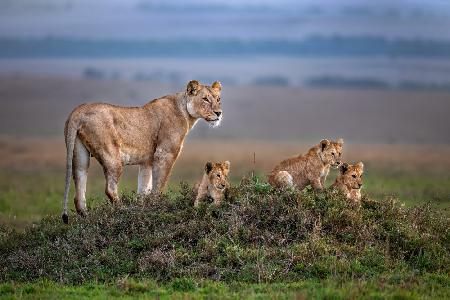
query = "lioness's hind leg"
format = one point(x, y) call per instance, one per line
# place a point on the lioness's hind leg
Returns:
point(81, 159)
point(112, 176)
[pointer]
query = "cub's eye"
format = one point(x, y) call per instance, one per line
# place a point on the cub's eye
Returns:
point(218, 175)
point(354, 176)
point(205, 99)
point(332, 153)
point(218, 99)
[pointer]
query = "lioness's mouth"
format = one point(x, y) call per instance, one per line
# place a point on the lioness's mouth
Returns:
point(214, 122)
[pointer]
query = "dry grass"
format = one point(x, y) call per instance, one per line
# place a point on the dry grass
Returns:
point(36, 153)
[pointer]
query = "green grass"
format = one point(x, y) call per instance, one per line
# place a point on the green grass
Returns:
point(28, 195)
point(410, 287)
point(413, 187)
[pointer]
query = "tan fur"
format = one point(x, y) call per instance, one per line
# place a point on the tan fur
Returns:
point(350, 181)
point(309, 169)
point(150, 136)
point(214, 182)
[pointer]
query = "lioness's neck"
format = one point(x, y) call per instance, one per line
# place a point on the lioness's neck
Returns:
point(182, 102)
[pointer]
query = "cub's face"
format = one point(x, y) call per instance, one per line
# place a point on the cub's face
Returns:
point(331, 151)
point(351, 175)
point(204, 101)
point(217, 175)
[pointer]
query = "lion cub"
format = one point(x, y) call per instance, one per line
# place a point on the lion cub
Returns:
point(309, 169)
point(214, 182)
point(349, 180)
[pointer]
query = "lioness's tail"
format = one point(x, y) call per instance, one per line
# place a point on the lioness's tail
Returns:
point(70, 132)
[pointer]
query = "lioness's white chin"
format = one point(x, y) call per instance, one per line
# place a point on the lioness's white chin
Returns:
point(214, 123)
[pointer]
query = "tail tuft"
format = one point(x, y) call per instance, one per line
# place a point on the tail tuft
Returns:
point(65, 218)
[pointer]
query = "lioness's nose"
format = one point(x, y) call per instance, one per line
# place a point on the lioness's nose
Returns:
point(218, 113)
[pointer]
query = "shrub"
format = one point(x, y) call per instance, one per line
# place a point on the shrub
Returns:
point(260, 235)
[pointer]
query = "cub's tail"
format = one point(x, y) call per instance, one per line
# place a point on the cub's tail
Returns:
point(281, 179)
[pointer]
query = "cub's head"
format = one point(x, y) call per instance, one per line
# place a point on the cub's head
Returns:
point(218, 175)
point(351, 175)
point(204, 101)
point(330, 152)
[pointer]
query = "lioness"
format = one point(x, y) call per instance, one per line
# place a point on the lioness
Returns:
point(214, 182)
point(309, 169)
point(150, 136)
point(349, 180)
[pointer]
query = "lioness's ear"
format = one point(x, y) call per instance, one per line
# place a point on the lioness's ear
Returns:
point(324, 143)
point(360, 165)
point(193, 87)
point(340, 141)
point(216, 86)
point(227, 165)
point(343, 168)
point(208, 167)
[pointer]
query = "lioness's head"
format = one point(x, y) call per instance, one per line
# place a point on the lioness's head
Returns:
point(204, 101)
point(218, 175)
point(351, 175)
point(330, 152)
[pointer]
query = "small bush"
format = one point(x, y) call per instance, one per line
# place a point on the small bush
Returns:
point(260, 235)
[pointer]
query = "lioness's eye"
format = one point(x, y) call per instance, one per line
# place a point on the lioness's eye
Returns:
point(205, 99)
point(218, 175)
point(354, 176)
point(333, 154)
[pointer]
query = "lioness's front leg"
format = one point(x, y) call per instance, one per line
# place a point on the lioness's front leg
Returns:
point(145, 178)
point(163, 162)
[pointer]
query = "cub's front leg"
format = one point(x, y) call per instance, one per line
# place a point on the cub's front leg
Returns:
point(324, 175)
point(316, 183)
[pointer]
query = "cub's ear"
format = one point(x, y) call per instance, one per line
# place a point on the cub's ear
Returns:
point(343, 168)
point(227, 165)
point(324, 143)
point(216, 86)
point(360, 165)
point(340, 141)
point(193, 87)
point(208, 167)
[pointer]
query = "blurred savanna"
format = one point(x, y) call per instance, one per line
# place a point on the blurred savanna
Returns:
point(376, 74)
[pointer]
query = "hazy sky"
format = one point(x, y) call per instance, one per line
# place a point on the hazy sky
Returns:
point(141, 19)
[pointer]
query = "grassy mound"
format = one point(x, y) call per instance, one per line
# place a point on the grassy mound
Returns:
point(260, 235)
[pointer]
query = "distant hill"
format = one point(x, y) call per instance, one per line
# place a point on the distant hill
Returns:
point(313, 46)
